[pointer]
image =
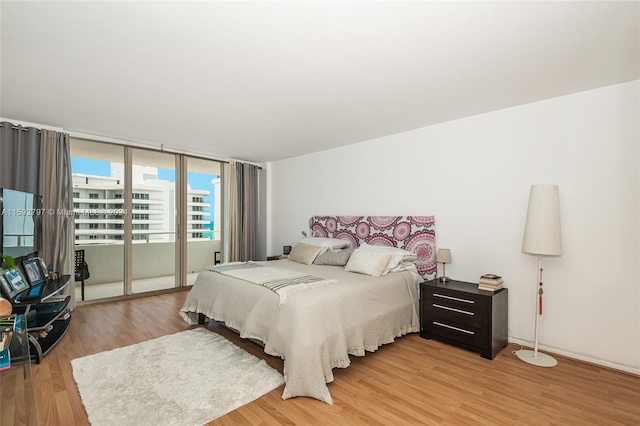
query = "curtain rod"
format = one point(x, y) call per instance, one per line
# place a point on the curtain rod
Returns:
point(16, 128)
point(161, 148)
point(139, 146)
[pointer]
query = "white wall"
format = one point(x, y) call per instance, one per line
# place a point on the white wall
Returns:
point(474, 175)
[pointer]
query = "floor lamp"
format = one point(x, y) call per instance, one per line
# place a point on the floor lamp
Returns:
point(542, 237)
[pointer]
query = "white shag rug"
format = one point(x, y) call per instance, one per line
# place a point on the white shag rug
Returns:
point(187, 378)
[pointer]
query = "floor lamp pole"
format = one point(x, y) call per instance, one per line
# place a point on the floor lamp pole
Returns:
point(538, 302)
point(534, 357)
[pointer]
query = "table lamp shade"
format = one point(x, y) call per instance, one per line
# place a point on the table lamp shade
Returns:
point(542, 234)
point(443, 256)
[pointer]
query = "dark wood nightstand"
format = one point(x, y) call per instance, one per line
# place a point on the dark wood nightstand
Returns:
point(456, 312)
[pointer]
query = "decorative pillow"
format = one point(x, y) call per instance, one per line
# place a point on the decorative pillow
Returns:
point(325, 243)
point(334, 258)
point(401, 260)
point(304, 253)
point(366, 262)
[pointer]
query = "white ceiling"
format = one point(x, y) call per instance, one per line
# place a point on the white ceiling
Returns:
point(263, 81)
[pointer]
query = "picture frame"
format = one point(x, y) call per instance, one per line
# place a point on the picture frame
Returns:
point(286, 250)
point(15, 278)
point(43, 267)
point(33, 271)
point(7, 290)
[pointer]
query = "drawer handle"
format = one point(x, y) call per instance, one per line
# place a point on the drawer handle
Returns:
point(453, 298)
point(452, 327)
point(452, 309)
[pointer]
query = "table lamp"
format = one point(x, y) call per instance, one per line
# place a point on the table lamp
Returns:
point(444, 257)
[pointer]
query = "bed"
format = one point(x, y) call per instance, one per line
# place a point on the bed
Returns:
point(316, 330)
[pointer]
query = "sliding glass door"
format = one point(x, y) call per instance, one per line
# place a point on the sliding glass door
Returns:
point(203, 216)
point(98, 203)
point(147, 220)
point(153, 220)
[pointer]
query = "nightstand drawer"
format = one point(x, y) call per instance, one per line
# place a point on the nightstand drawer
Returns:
point(466, 335)
point(445, 311)
point(473, 301)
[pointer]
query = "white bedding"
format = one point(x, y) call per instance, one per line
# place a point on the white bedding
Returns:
point(283, 282)
point(315, 330)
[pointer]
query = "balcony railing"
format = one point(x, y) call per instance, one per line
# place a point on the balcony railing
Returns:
point(106, 261)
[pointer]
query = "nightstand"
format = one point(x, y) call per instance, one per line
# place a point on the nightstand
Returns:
point(456, 312)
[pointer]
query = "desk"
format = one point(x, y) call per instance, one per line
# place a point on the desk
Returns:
point(43, 306)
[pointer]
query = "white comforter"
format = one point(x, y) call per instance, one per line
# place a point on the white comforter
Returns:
point(315, 330)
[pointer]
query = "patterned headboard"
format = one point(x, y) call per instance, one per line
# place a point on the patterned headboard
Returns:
point(416, 234)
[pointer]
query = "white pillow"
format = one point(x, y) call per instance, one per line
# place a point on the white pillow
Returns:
point(401, 260)
point(366, 262)
point(325, 243)
point(304, 253)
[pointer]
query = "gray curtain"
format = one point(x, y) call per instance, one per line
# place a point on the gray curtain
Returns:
point(57, 198)
point(19, 158)
point(38, 161)
point(243, 212)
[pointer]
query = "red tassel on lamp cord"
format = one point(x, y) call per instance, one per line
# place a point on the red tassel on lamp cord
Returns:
point(540, 291)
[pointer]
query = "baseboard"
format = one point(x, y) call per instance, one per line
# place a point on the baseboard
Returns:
point(580, 357)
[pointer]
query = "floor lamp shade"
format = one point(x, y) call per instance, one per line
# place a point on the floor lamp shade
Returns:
point(542, 237)
point(542, 234)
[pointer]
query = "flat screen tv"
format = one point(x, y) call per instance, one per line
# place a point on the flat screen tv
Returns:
point(21, 224)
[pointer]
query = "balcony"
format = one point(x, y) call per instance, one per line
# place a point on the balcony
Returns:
point(152, 269)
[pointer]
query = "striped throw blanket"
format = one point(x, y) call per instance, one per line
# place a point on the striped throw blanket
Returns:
point(283, 282)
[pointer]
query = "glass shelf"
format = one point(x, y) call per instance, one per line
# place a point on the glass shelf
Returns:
point(17, 397)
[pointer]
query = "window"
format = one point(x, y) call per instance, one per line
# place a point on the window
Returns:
point(139, 196)
point(154, 213)
point(96, 169)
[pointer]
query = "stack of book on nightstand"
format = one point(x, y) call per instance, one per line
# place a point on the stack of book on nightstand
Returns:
point(490, 282)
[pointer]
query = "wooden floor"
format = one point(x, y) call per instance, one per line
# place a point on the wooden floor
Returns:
point(412, 381)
